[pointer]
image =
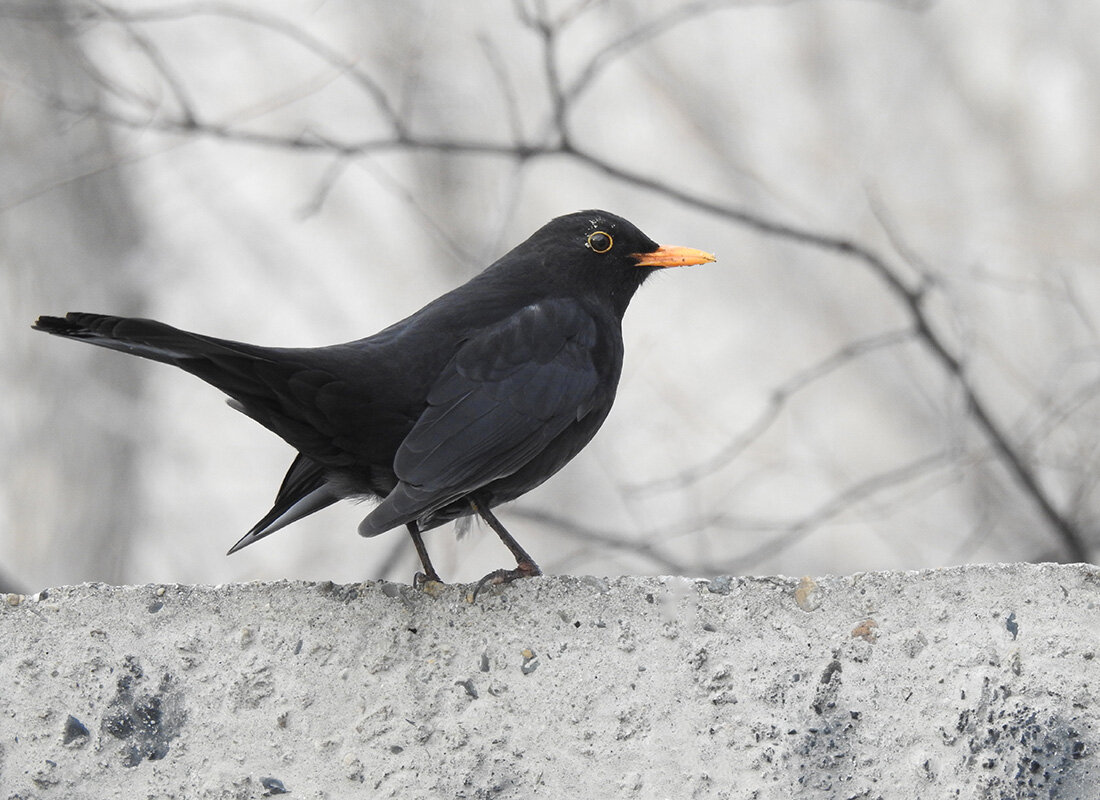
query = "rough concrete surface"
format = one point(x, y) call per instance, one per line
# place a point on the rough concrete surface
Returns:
point(971, 682)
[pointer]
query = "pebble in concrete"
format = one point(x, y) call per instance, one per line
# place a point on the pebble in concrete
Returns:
point(975, 682)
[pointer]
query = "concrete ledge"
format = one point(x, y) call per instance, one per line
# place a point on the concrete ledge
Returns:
point(975, 682)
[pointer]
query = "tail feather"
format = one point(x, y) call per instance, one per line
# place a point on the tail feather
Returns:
point(247, 373)
point(275, 387)
point(141, 337)
point(303, 491)
point(282, 515)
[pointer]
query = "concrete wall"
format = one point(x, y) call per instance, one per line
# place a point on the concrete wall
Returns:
point(974, 682)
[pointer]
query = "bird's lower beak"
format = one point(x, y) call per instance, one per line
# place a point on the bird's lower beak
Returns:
point(673, 257)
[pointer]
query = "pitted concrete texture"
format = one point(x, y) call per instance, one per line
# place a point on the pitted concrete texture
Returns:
point(972, 682)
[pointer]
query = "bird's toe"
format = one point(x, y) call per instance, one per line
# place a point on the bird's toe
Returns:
point(499, 577)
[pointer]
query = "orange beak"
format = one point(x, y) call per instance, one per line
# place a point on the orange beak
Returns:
point(673, 257)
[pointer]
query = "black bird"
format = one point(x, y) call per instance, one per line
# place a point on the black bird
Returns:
point(472, 401)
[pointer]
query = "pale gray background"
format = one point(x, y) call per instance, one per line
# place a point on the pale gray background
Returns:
point(955, 140)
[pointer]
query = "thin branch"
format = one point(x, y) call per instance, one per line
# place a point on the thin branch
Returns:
point(337, 167)
point(658, 26)
point(912, 300)
point(548, 30)
point(156, 58)
point(251, 16)
point(906, 251)
point(1060, 411)
point(768, 415)
point(1073, 296)
point(397, 189)
point(500, 73)
point(311, 142)
point(850, 497)
point(789, 532)
point(608, 539)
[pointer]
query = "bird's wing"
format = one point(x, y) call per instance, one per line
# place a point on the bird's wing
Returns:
point(508, 392)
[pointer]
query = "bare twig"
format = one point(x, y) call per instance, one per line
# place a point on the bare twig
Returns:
point(607, 539)
point(911, 295)
point(912, 301)
point(776, 402)
point(157, 59)
point(789, 532)
point(500, 73)
point(548, 30)
point(250, 15)
point(337, 167)
point(848, 498)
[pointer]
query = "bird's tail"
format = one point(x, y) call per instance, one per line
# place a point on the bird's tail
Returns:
point(304, 490)
point(277, 387)
point(141, 337)
point(238, 369)
point(267, 384)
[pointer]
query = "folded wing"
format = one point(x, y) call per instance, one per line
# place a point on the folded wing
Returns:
point(507, 393)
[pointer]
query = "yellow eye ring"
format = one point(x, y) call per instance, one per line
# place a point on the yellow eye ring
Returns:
point(599, 242)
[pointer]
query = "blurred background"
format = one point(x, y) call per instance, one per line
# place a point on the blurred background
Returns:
point(895, 363)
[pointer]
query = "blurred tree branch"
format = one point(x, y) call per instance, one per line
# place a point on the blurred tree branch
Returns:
point(909, 287)
point(777, 400)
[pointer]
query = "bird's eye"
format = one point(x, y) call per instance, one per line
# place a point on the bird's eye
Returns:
point(600, 242)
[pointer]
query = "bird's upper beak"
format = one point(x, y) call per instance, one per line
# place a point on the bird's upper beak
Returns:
point(665, 256)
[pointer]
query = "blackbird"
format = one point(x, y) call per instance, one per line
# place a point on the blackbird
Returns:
point(472, 401)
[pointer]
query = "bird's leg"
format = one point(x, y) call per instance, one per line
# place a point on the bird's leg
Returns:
point(429, 573)
point(525, 565)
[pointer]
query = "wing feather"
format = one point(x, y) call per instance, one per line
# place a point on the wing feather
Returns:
point(508, 392)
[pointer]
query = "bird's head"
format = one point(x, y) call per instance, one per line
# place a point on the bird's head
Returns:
point(601, 253)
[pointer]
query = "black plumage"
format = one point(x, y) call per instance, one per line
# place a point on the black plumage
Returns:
point(470, 402)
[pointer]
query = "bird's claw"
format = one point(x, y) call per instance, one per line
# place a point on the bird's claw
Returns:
point(525, 569)
point(422, 581)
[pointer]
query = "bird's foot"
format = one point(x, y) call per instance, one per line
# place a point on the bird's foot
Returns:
point(524, 569)
point(423, 581)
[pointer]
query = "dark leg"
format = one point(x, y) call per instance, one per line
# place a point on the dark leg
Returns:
point(429, 573)
point(525, 565)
